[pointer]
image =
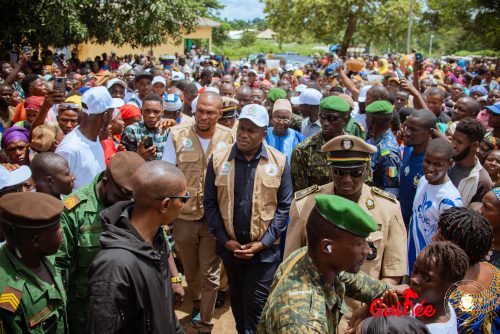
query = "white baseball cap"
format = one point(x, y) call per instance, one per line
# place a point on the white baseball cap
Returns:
point(288, 67)
point(159, 79)
point(97, 100)
point(178, 76)
point(362, 93)
point(11, 178)
point(116, 81)
point(300, 88)
point(172, 103)
point(255, 113)
point(310, 96)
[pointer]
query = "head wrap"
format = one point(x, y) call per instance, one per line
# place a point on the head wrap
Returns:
point(34, 102)
point(492, 142)
point(479, 89)
point(14, 133)
point(129, 111)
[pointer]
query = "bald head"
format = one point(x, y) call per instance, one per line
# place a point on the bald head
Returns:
point(211, 98)
point(428, 118)
point(227, 78)
point(46, 164)
point(243, 90)
point(156, 179)
point(376, 93)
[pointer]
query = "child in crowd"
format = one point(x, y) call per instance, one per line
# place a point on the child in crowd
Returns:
point(435, 193)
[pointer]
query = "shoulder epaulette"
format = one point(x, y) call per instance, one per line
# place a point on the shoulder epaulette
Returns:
point(360, 126)
point(10, 299)
point(384, 194)
point(71, 201)
point(304, 192)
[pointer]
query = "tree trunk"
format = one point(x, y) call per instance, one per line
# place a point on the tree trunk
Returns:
point(352, 20)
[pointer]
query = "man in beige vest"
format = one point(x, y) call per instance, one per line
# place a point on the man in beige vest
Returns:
point(248, 191)
point(189, 146)
point(349, 159)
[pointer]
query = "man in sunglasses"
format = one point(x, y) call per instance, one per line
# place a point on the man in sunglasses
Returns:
point(348, 158)
point(308, 165)
point(82, 228)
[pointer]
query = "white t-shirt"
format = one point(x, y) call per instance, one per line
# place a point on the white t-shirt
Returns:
point(85, 157)
point(430, 201)
point(169, 154)
point(449, 327)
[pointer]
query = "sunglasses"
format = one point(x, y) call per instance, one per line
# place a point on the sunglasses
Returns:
point(183, 199)
point(330, 118)
point(354, 173)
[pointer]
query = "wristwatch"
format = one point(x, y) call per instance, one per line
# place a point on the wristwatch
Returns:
point(176, 279)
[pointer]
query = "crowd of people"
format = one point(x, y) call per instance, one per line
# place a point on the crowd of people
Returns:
point(305, 193)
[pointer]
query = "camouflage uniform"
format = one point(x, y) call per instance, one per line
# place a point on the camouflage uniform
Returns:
point(309, 166)
point(296, 122)
point(300, 302)
point(354, 128)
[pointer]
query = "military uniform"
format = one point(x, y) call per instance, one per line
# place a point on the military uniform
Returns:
point(27, 303)
point(82, 228)
point(300, 302)
point(32, 300)
point(354, 128)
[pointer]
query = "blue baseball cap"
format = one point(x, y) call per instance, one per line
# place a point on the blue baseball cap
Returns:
point(494, 109)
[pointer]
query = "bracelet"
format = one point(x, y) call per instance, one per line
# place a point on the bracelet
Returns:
point(176, 279)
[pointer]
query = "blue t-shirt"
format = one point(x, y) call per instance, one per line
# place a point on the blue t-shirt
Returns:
point(410, 173)
point(285, 144)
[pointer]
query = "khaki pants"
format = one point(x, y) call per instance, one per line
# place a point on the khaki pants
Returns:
point(196, 247)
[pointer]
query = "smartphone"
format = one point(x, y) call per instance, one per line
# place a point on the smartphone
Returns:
point(60, 84)
point(149, 142)
point(59, 61)
point(27, 51)
point(419, 59)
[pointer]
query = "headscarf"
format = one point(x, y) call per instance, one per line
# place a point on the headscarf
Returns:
point(15, 133)
point(34, 103)
point(129, 111)
point(383, 68)
point(479, 89)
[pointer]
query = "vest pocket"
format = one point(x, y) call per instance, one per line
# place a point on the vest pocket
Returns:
point(268, 194)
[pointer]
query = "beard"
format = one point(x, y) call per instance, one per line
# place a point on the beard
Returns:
point(461, 155)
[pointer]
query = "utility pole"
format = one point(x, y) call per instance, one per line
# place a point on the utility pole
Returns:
point(408, 36)
point(430, 46)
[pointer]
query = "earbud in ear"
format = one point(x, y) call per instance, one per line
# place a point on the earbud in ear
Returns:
point(329, 248)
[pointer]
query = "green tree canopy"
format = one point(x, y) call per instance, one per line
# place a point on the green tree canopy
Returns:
point(59, 23)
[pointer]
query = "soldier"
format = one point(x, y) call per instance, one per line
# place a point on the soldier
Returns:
point(32, 296)
point(189, 146)
point(386, 161)
point(228, 118)
point(308, 164)
point(307, 295)
point(348, 159)
point(82, 228)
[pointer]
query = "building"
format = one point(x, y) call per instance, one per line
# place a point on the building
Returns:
point(201, 37)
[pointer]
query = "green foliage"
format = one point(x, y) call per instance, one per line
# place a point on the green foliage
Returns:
point(234, 50)
point(220, 34)
point(487, 53)
point(63, 22)
point(248, 38)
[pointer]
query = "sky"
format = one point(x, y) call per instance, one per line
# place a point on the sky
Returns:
point(242, 9)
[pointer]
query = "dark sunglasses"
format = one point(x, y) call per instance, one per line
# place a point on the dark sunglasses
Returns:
point(354, 173)
point(330, 118)
point(183, 199)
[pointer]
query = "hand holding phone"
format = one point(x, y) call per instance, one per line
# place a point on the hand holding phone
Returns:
point(60, 84)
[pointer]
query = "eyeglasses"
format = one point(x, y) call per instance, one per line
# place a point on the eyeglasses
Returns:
point(183, 199)
point(354, 173)
point(330, 118)
point(281, 120)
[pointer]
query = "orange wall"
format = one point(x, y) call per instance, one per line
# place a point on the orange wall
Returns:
point(88, 50)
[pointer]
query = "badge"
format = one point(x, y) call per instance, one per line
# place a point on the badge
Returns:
point(220, 145)
point(271, 169)
point(373, 254)
point(415, 180)
point(370, 204)
point(407, 170)
point(187, 144)
point(226, 167)
point(10, 299)
point(252, 110)
point(347, 144)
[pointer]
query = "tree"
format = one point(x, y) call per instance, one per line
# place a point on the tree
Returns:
point(248, 38)
point(62, 22)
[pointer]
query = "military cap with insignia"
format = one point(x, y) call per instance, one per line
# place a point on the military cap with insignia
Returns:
point(379, 107)
point(122, 166)
point(348, 151)
point(229, 106)
point(345, 214)
point(30, 210)
point(276, 93)
point(334, 104)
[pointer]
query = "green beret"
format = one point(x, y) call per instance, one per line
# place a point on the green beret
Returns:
point(379, 107)
point(345, 214)
point(348, 151)
point(334, 103)
point(276, 93)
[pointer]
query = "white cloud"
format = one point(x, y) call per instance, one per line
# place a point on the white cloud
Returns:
point(242, 9)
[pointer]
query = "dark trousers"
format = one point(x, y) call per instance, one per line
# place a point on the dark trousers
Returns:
point(249, 284)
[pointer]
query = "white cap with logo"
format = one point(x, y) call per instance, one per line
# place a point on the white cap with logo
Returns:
point(159, 79)
point(12, 178)
point(116, 81)
point(97, 100)
point(172, 103)
point(255, 113)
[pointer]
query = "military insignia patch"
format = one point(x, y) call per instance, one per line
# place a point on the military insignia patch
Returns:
point(10, 299)
point(370, 204)
point(347, 144)
point(373, 255)
point(303, 193)
point(71, 201)
point(384, 194)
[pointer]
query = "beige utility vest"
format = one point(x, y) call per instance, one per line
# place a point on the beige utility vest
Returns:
point(193, 162)
point(265, 189)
